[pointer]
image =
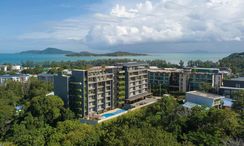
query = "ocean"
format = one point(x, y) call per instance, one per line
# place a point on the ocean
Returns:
point(169, 57)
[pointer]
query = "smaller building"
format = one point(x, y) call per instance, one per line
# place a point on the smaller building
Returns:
point(204, 99)
point(46, 77)
point(16, 67)
point(229, 92)
point(19, 78)
point(235, 82)
point(4, 68)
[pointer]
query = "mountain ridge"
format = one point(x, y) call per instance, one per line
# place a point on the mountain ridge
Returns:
point(47, 51)
point(117, 53)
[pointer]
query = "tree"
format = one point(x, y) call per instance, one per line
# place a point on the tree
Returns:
point(205, 87)
point(47, 108)
point(181, 64)
point(74, 133)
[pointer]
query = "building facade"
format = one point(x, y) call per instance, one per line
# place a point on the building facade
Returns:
point(187, 79)
point(204, 99)
point(18, 78)
point(231, 87)
point(99, 89)
point(136, 81)
point(46, 77)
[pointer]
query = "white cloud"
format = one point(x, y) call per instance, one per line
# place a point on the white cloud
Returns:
point(171, 20)
point(153, 21)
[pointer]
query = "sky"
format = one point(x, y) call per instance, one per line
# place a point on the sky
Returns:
point(122, 25)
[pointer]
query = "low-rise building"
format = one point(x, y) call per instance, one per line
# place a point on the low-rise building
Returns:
point(4, 68)
point(19, 78)
point(234, 82)
point(16, 67)
point(46, 77)
point(204, 99)
point(231, 87)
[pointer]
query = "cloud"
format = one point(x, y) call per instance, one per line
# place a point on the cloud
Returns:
point(170, 21)
point(152, 21)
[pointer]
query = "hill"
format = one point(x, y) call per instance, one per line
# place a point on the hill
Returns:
point(47, 51)
point(235, 61)
point(106, 54)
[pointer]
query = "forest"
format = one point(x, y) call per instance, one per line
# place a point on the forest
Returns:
point(44, 121)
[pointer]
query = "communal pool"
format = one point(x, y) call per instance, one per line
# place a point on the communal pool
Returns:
point(110, 114)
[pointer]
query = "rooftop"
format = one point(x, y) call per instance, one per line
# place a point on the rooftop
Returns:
point(205, 68)
point(166, 70)
point(190, 105)
point(129, 64)
point(232, 88)
point(238, 79)
point(45, 74)
point(207, 95)
point(12, 76)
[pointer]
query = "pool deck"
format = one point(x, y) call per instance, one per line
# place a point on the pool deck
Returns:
point(137, 105)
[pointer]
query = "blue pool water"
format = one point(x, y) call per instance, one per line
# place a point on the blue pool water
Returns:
point(113, 113)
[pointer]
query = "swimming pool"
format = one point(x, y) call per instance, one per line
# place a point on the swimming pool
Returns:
point(119, 111)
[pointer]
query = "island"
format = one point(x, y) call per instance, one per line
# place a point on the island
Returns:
point(47, 51)
point(115, 54)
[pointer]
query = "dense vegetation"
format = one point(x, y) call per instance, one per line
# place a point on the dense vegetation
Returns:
point(44, 121)
point(235, 61)
point(35, 67)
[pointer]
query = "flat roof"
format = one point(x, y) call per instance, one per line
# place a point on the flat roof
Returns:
point(234, 88)
point(166, 70)
point(17, 75)
point(128, 64)
point(45, 74)
point(190, 104)
point(138, 96)
point(238, 79)
point(207, 95)
point(205, 68)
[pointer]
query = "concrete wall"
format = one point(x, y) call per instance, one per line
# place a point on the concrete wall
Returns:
point(61, 88)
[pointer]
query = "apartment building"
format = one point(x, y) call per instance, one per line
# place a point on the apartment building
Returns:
point(198, 76)
point(98, 89)
point(173, 78)
point(136, 81)
point(186, 79)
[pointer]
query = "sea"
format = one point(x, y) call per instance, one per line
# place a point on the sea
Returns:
point(169, 57)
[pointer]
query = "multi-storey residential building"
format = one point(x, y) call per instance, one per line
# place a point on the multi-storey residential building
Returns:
point(198, 76)
point(173, 78)
point(119, 84)
point(136, 81)
point(102, 88)
point(187, 79)
point(91, 91)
